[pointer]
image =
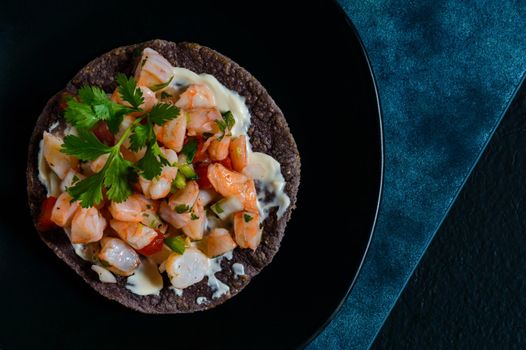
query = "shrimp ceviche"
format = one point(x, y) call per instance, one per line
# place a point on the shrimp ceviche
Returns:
point(157, 178)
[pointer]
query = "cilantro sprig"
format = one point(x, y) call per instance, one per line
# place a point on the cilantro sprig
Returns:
point(92, 106)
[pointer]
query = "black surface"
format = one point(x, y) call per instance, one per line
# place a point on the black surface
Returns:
point(310, 61)
point(469, 291)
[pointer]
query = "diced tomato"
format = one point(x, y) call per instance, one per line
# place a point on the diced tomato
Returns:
point(103, 133)
point(202, 171)
point(200, 155)
point(227, 163)
point(44, 220)
point(155, 245)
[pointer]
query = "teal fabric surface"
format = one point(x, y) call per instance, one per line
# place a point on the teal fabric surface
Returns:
point(446, 72)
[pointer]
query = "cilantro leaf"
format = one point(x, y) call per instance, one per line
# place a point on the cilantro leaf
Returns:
point(190, 149)
point(89, 190)
point(247, 217)
point(161, 86)
point(116, 119)
point(129, 91)
point(228, 117)
point(140, 136)
point(85, 147)
point(93, 95)
point(152, 162)
point(162, 112)
point(193, 216)
point(116, 178)
point(80, 115)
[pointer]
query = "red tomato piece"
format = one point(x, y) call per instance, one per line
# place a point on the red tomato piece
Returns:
point(44, 222)
point(227, 163)
point(200, 155)
point(155, 245)
point(104, 134)
point(202, 171)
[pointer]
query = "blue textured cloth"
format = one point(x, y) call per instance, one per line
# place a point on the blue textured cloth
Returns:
point(446, 71)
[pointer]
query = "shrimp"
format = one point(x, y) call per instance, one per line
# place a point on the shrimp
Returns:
point(202, 120)
point(160, 187)
point(186, 196)
point(231, 183)
point(64, 210)
point(218, 149)
point(149, 100)
point(87, 225)
point(171, 134)
point(70, 179)
point(59, 162)
point(246, 229)
point(123, 260)
point(218, 242)
point(177, 220)
point(131, 209)
point(187, 269)
point(238, 153)
point(196, 96)
point(153, 69)
point(135, 234)
point(196, 227)
point(99, 163)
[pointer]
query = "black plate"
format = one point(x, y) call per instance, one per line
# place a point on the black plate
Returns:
point(312, 63)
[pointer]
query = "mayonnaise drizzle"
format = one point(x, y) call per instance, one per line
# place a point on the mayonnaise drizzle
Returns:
point(238, 270)
point(146, 280)
point(104, 275)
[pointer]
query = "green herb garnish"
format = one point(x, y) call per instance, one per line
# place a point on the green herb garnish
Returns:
point(182, 208)
point(161, 86)
point(190, 149)
point(193, 216)
point(177, 244)
point(247, 217)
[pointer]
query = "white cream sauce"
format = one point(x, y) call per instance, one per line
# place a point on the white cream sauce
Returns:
point(214, 265)
point(177, 291)
point(267, 171)
point(201, 300)
point(238, 270)
point(146, 280)
point(104, 275)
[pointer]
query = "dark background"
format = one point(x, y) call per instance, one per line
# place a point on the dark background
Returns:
point(468, 292)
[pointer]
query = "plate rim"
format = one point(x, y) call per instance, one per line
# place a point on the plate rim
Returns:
point(331, 317)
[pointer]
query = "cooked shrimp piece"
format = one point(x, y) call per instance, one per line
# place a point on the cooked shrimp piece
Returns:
point(71, 177)
point(206, 196)
point(246, 229)
point(218, 149)
point(238, 153)
point(185, 196)
point(153, 69)
point(177, 220)
point(59, 162)
point(196, 96)
point(149, 100)
point(134, 233)
point(123, 260)
point(87, 225)
point(64, 210)
point(202, 120)
point(171, 134)
point(99, 163)
point(196, 227)
point(187, 269)
point(132, 209)
point(160, 187)
point(231, 183)
point(218, 242)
